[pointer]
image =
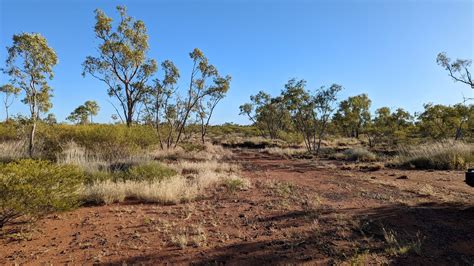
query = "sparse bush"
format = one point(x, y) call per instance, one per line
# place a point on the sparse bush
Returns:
point(150, 171)
point(235, 183)
point(30, 188)
point(360, 155)
point(440, 155)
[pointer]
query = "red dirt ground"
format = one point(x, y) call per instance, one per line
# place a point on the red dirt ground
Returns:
point(297, 211)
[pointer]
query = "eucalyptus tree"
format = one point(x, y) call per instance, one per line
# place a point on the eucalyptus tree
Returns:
point(160, 105)
point(10, 92)
point(122, 62)
point(80, 115)
point(310, 111)
point(92, 108)
point(353, 115)
point(442, 121)
point(389, 127)
point(458, 70)
point(202, 73)
point(269, 114)
point(30, 64)
point(207, 104)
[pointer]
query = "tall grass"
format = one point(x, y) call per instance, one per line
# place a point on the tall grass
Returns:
point(13, 150)
point(168, 191)
point(444, 155)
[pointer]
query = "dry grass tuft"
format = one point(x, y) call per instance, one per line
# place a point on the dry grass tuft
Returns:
point(173, 190)
point(359, 154)
point(284, 152)
point(205, 152)
point(13, 150)
point(74, 154)
point(445, 155)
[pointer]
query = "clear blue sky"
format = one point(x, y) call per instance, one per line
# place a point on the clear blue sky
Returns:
point(384, 48)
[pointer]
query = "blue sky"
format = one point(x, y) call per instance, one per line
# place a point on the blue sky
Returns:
point(384, 48)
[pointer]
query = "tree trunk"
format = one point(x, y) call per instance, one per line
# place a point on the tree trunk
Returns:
point(129, 117)
point(32, 138)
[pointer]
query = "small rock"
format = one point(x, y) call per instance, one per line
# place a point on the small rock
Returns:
point(373, 177)
point(402, 177)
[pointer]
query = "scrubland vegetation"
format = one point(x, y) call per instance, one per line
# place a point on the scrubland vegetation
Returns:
point(163, 150)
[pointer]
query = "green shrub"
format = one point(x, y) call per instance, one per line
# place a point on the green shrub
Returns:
point(235, 184)
point(440, 156)
point(98, 176)
point(360, 155)
point(31, 188)
point(151, 171)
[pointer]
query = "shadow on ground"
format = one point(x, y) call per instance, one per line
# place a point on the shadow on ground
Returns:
point(434, 234)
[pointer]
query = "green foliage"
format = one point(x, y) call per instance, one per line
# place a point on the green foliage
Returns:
point(268, 114)
point(108, 141)
point(30, 188)
point(30, 63)
point(441, 121)
point(81, 114)
point(122, 63)
point(234, 184)
point(10, 92)
point(458, 70)
point(389, 127)
point(148, 172)
point(353, 115)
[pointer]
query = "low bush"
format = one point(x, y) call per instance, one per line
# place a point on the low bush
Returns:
point(31, 188)
point(235, 183)
point(360, 155)
point(151, 171)
point(440, 156)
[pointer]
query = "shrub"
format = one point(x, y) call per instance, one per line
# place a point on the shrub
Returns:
point(440, 156)
point(235, 183)
point(31, 188)
point(360, 155)
point(151, 171)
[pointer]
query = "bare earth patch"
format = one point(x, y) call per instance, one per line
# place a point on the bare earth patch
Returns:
point(295, 211)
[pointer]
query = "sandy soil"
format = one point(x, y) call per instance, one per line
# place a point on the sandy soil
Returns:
point(297, 211)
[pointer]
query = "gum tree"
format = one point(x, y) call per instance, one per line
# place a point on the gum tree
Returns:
point(92, 108)
point(79, 115)
point(208, 103)
point(458, 70)
point(353, 115)
point(203, 82)
point(310, 111)
point(30, 64)
point(159, 105)
point(10, 92)
point(122, 63)
point(269, 114)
